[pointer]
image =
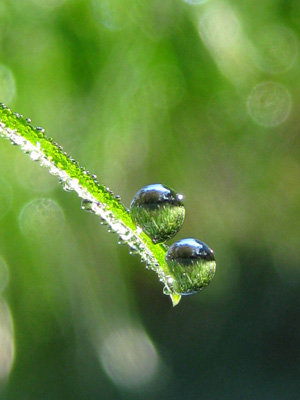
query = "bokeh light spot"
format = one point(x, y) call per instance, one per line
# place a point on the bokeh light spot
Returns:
point(277, 47)
point(41, 219)
point(219, 27)
point(129, 358)
point(269, 103)
point(7, 84)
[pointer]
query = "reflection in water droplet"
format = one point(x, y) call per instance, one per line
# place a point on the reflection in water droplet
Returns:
point(3, 274)
point(7, 347)
point(192, 264)
point(7, 84)
point(129, 358)
point(41, 219)
point(87, 205)
point(6, 196)
point(269, 103)
point(277, 47)
point(159, 211)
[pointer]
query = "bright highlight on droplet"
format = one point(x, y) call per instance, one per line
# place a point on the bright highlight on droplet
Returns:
point(3, 274)
point(6, 196)
point(7, 347)
point(277, 48)
point(7, 84)
point(41, 219)
point(129, 358)
point(269, 103)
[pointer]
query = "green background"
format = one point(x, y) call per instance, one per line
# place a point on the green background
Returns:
point(202, 98)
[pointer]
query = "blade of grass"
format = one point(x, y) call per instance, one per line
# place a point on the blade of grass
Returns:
point(96, 197)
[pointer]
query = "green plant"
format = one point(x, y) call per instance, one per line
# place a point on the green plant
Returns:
point(95, 197)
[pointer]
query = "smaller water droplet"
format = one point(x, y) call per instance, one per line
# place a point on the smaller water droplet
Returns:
point(86, 205)
point(40, 129)
point(28, 120)
point(192, 264)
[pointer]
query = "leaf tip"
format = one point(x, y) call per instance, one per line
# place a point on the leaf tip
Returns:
point(175, 299)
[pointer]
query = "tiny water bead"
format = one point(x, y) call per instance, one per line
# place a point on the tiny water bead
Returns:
point(158, 210)
point(192, 264)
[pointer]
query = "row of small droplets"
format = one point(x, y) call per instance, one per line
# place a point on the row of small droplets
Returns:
point(89, 203)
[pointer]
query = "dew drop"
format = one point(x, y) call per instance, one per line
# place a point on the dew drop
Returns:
point(87, 205)
point(192, 264)
point(158, 210)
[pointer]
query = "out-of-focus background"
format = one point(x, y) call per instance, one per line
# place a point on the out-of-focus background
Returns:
point(202, 96)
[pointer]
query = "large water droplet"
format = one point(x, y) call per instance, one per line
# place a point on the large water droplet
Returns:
point(192, 264)
point(159, 211)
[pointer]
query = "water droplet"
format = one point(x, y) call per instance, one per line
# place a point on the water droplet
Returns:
point(159, 211)
point(192, 264)
point(87, 205)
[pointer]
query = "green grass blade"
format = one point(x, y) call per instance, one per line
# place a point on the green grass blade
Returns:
point(96, 198)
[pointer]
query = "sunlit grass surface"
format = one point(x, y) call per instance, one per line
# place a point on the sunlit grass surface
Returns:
point(200, 96)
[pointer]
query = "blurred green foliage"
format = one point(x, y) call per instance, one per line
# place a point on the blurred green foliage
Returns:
point(202, 97)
